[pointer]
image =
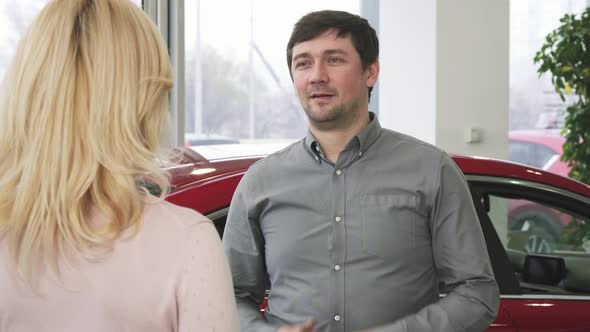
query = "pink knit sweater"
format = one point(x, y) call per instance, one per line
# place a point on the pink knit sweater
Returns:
point(171, 276)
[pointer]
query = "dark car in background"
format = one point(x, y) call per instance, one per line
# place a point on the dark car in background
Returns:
point(540, 291)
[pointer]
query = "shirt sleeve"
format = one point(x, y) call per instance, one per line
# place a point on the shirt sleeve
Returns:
point(244, 246)
point(204, 296)
point(461, 260)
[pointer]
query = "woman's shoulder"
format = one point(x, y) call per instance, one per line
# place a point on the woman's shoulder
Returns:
point(163, 217)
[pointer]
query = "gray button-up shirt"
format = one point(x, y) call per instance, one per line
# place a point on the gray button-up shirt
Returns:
point(360, 244)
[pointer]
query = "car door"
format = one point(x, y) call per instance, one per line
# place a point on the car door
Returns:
point(544, 232)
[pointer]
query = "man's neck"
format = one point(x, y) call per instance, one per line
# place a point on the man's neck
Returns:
point(333, 141)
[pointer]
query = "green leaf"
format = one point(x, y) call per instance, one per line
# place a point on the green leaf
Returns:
point(565, 54)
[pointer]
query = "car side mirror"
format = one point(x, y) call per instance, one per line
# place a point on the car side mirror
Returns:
point(542, 269)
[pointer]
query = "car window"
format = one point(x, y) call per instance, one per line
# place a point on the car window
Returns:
point(538, 228)
point(532, 154)
point(543, 226)
point(520, 152)
point(542, 155)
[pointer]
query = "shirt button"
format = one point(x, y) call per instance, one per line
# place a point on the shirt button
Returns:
point(360, 153)
point(337, 219)
point(338, 172)
point(337, 267)
point(337, 318)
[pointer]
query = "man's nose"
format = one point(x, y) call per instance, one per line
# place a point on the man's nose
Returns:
point(319, 74)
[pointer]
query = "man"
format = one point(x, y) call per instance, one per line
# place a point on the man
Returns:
point(354, 227)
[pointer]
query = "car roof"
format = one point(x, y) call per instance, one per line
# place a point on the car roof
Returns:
point(502, 168)
point(194, 168)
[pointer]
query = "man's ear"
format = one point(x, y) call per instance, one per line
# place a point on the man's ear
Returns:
point(372, 73)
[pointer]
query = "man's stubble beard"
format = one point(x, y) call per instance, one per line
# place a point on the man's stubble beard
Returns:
point(339, 117)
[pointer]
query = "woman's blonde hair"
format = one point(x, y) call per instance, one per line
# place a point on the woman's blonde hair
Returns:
point(82, 111)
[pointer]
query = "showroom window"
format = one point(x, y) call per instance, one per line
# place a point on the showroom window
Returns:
point(237, 84)
point(533, 101)
point(237, 88)
point(534, 105)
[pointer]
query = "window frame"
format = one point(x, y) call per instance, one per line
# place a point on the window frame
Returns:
point(169, 17)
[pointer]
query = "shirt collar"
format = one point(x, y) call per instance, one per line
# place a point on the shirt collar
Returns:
point(369, 135)
point(365, 137)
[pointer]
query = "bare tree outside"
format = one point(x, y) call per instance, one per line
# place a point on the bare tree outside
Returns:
point(225, 101)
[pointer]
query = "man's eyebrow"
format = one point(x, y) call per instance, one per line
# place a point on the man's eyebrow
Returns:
point(335, 51)
point(326, 52)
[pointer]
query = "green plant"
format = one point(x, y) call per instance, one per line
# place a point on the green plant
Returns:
point(576, 235)
point(566, 55)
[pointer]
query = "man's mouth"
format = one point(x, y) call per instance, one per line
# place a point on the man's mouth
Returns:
point(321, 96)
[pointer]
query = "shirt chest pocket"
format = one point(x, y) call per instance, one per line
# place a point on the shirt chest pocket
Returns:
point(392, 224)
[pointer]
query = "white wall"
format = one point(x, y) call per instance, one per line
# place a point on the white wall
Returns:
point(444, 69)
point(407, 92)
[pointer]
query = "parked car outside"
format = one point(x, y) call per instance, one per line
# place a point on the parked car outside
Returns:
point(539, 292)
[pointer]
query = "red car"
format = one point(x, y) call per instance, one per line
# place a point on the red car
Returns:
point(549, 292)
point(538, 148)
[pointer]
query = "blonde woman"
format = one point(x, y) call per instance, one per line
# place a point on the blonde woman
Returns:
point(82, 246)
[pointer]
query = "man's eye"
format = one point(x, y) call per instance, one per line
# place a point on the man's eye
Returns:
point(334, 60)
point(301, 64)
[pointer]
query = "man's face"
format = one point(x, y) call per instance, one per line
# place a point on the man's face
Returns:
point(329, 80)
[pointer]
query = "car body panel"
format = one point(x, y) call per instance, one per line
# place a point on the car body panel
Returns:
point(503, 321)
point(544, 314)
point(500, 168)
